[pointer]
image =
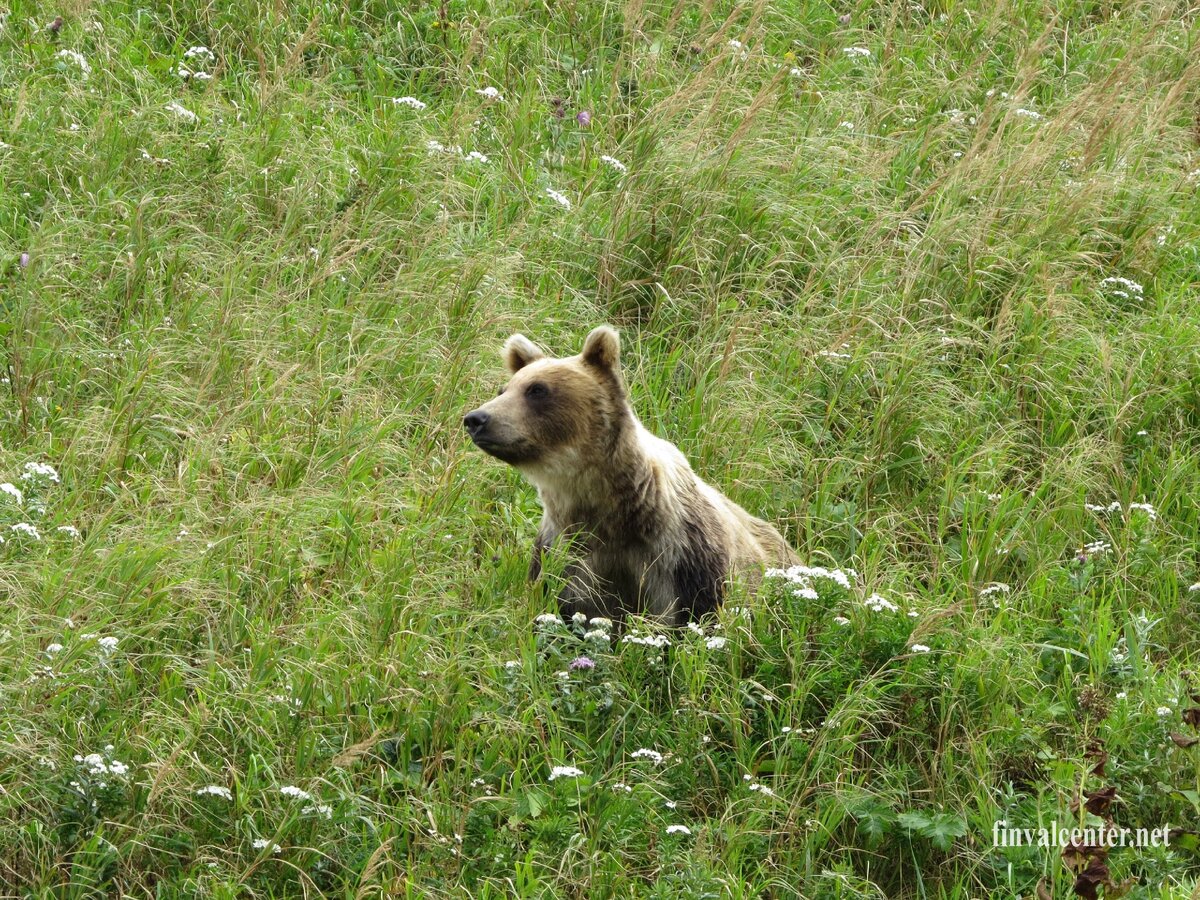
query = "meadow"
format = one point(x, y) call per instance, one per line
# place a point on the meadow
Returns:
point(918, 283)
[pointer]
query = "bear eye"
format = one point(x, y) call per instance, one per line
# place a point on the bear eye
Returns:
point(537, 391)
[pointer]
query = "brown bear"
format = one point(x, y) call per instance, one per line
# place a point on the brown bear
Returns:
point(647, 535)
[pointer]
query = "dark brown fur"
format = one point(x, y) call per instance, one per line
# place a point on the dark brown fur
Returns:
point(648, 535)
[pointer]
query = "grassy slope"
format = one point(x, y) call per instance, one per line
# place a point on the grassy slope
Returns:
point(245, 343)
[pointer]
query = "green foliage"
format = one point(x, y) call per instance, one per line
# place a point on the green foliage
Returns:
point(265, 629)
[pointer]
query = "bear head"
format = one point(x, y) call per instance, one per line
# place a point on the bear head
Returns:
point(555, 416)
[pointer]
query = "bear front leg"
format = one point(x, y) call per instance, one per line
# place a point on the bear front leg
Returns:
point(582, 593)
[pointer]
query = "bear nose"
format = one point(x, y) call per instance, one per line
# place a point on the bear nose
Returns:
point(476, 421)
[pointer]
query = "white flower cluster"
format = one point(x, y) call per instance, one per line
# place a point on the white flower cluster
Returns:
point(614, 164)
point(647, 640)
point(199, 56)
point(78, 59)
point(644, 753)
point(215, 790)
point(435, 148)
point(1116, 507)
point(1123, 287)
point(757, 786)
point(182, 111)
point(879, 603)
point(26, 530)
point(565, 772)
point(1146, 508)
point(96, 766)
point(559, 198)
point(409, 101)
point(37, 472)
point(13, 491)
point(803, 575)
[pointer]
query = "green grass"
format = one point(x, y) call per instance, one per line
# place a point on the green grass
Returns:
point(866, 295)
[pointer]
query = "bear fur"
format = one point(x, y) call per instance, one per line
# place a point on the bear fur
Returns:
point(647, 535)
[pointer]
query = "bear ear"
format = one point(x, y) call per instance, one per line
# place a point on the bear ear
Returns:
point(520, 351)
point(602, 349)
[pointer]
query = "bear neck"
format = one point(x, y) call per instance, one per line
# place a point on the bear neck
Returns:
point(613, 495)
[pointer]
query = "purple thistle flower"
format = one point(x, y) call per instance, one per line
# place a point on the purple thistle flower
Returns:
point(582, 662)
point(24, 262)
point(584, 118)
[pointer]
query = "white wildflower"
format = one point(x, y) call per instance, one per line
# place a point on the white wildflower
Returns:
point(715, 643)
point(215, 790)
point(1146, 508)
point(108, 645)
point(490, 93)
point(35, 471)
point(476, 156)
point(644, 753)
point(559, 198)
point(27, 530)
point(263, 844)
point(919, 648)
point(1121, 695)
point(565, 772)
point(615, 164)
point(647, 640)
point(203, 54)
point(78, 59)
point(1031, 114)
point(512, 664)
point(678, 829)
point(182, 111)
point(1127, 288)
point(290, 790)
point(878, 603)
point(1193, 588)
point(52, 649)
point(13, 491)
point(996, 587)
point(856, 52)
point(318, 809)
point(409, 101)
point(601, 623)
point(68, 530)
point(1163, 711)
point(840, 620)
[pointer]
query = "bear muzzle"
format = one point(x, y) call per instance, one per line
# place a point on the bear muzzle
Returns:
point(476, 422)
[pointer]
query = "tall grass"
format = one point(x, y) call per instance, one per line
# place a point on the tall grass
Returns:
point(920, 304)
